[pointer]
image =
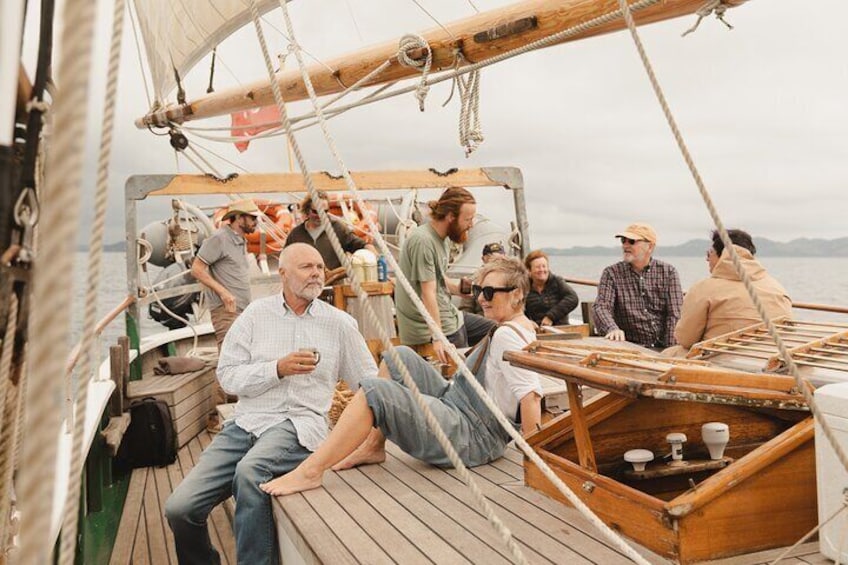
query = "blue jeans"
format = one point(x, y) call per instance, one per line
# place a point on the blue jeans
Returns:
point(235, 463)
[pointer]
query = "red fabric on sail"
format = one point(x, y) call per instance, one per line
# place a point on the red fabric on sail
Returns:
point(250, 122)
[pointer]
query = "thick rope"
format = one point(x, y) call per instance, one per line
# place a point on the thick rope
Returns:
point(7, 440)
point(514, 549)
point(51, 296)
point(538, 44)
point(70, 520)
point(444, 442)
point(800, 384)
point(408, 43)
point(436, 330)
point(470, 131)
point(713, 6)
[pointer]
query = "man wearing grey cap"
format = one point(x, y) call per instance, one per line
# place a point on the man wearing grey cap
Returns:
point(639, 298)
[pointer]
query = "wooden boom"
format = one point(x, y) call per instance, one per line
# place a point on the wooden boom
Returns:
point(479, 38)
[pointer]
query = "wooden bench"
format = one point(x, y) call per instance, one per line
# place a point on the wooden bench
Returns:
point(188, 396)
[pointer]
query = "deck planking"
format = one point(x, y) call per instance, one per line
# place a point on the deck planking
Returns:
point(405, 511)
point(401, 511)
point(144, 535)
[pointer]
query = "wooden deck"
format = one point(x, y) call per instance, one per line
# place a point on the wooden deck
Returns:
point(144, 535)
point(405, 511)
point(402, 511)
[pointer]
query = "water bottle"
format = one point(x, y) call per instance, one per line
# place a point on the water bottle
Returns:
point(382, 269)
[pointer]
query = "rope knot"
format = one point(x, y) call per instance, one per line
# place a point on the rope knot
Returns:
point(717, 7)
point(411, 42)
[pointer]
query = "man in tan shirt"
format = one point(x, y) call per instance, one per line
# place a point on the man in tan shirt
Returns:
point(720, 304)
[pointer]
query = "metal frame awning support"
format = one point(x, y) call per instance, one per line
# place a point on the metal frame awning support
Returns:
point(139, 187)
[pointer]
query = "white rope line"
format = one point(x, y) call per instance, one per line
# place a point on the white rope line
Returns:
point(409, 42)
point(435, 19)
point(470, 131)
point(809, 534)
point(277, 129)
point(51, 295)
point(409, 382)
point(712, 6)
point(7, 440)
point(219, 156)
point(138, 54)
point(451, 75)
point(800, 384)
point(70, 521)
point(442, 439)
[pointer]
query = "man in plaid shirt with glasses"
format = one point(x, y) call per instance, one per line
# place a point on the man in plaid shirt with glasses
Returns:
point(639, 298)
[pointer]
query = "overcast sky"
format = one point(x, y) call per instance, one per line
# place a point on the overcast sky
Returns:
point(763, 109)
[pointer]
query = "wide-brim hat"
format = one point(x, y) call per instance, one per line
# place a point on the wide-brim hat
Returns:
point(242, 207)
point(639, 232)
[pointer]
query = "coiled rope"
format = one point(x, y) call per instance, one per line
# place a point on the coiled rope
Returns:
point(50, 319)
point(410, 42)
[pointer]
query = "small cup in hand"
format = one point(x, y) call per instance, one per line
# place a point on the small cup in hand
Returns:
point(316, 355)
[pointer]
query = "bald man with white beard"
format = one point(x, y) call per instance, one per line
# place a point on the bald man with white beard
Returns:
point(285, 391)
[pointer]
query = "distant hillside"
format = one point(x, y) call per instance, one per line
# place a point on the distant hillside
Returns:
point(802, 247)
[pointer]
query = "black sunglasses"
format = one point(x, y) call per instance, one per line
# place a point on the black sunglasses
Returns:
point(488, 292)
point(629, 241)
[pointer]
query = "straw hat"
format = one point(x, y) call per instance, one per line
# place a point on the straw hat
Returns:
point(241, 207)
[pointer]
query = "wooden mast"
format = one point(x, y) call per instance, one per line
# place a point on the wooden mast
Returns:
point(479, 37)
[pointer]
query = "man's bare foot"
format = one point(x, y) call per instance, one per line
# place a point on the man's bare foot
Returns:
point(362, 455)
point(297, 480)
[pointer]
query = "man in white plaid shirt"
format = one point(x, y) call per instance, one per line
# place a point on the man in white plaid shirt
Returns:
point(285, 391)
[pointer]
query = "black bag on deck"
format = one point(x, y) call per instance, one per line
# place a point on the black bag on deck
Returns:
point(150, 439)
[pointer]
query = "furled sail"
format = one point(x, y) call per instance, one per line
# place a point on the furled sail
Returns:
point(179, 33)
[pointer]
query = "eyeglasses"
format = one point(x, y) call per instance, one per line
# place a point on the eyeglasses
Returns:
point(629, 241)
point(488, 292)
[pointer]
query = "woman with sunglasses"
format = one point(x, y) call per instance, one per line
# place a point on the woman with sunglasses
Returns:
point(384, 408)
point(550, 298)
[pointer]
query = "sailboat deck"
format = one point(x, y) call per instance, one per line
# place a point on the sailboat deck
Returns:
point(405, 511)
point(401, 511)
point(144, 535)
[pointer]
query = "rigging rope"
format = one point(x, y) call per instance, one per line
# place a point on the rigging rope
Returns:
point(800, 384)
point(470, 132)
point(67, 552)
point(443, 441)
point(51, 296)
point(7, 440)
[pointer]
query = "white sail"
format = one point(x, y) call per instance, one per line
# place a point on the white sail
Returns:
point(179, 33)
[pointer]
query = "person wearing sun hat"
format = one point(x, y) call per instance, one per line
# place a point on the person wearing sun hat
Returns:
point(221, 266)
point(639, 298)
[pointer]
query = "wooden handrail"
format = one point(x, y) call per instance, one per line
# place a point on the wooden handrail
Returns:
point(73, 358)
point(800, 305)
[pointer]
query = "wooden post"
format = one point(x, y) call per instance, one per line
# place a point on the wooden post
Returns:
point(116, 371)
point(124, 342)
point(585, 453)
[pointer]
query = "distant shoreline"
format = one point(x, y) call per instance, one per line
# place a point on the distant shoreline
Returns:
point(802, 247)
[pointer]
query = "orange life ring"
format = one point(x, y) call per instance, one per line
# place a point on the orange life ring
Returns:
point(361, 227)
point(279, 216)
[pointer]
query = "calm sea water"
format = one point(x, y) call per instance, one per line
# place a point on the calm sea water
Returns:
point(808, 279)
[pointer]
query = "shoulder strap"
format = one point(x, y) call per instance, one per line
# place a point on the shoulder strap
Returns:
point(516, 330)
